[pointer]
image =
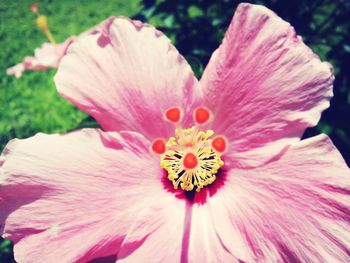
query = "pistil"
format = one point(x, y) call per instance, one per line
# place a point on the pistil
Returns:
point(42, 23)
point(193, 156)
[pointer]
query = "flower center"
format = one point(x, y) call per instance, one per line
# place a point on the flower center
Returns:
point(192, 157)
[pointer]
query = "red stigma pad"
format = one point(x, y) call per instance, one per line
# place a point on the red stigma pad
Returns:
point(219, 144)
point(158, 146)
point(201, 115)
point(190, 161)
point(173, 114)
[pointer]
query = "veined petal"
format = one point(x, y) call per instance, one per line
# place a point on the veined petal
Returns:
point(157, 233)
point(127, 78)
point(295, 209)
point(263, 84)
point(205, 244)
point(78, 192)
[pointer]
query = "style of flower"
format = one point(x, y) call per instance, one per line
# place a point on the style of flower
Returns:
point(185, 170)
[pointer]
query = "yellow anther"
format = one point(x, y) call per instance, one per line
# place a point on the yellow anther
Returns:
point(41, 22)
point(191, 142)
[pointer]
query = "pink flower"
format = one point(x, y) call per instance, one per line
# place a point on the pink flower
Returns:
point(48, 55)
point(45, 57)
point(265, 195)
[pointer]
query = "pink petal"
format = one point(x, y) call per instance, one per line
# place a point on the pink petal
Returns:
point(264, 85)
point(74, 197)
point(205, 245)
point(127, 78)
point(49, 55)
point(45, 57)
point(295, 209)
point(16, 70)
point(156, 234)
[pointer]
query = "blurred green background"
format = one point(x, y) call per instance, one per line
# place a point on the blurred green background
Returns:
point(31, 104)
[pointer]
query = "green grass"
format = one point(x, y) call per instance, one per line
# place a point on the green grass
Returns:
point(31, 104)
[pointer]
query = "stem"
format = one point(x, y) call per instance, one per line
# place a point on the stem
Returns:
point(48, 34)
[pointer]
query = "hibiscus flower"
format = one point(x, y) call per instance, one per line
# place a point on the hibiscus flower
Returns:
point(184, 170)
point(45, 57)
point(50, 53)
